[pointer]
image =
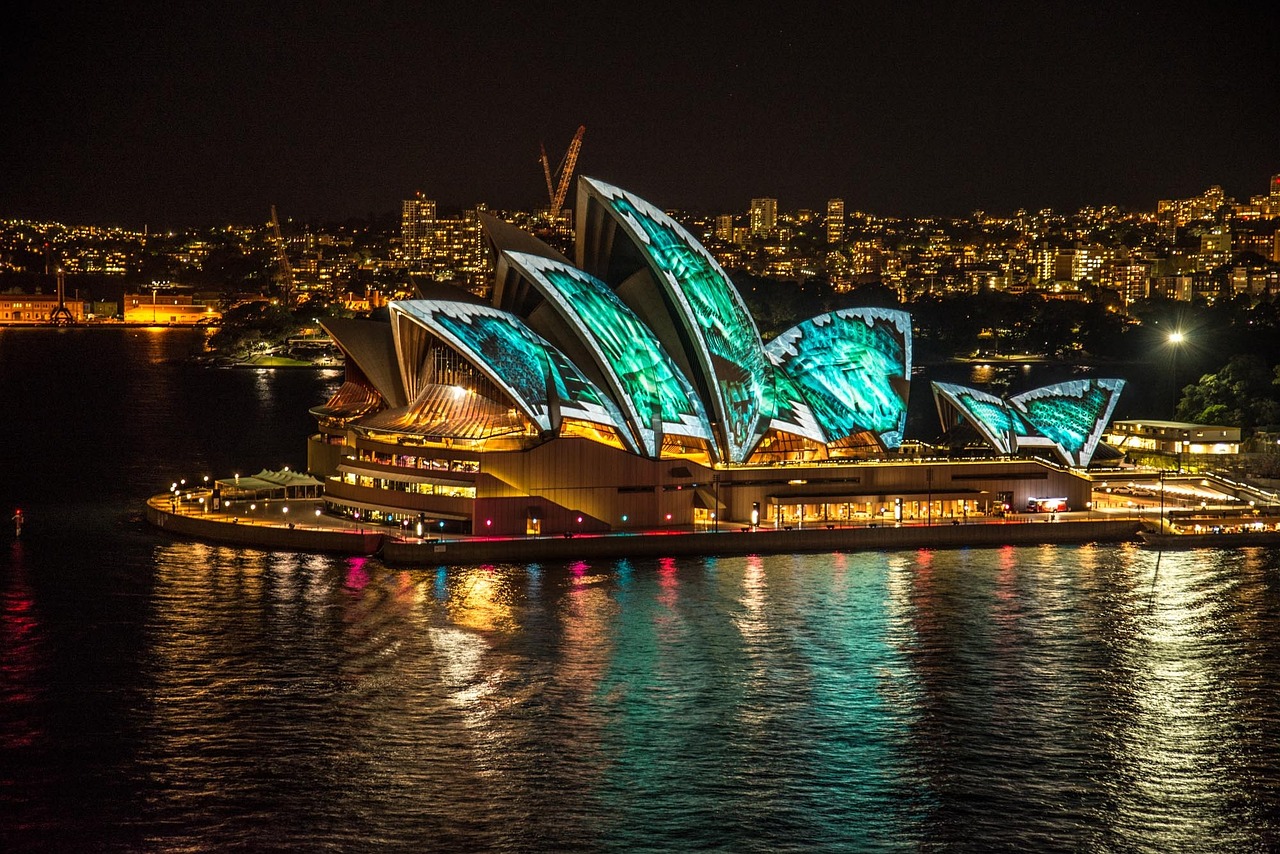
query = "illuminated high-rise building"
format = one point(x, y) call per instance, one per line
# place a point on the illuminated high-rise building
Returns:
point(417, 224)
point(724, 228)
point(764, 216)
point(835, 221)
point(454, 248)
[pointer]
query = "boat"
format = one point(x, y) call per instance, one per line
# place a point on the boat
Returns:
point(1211, 539)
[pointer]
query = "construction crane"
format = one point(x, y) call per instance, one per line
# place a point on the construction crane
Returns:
point(282, 261)
point(558, 181)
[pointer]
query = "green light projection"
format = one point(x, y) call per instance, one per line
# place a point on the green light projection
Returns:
point(988, 414)
point(853, 367)
point(791, 410)
point(646, 379)
point(517, 359)
point(710, 308)
point(1072, 414)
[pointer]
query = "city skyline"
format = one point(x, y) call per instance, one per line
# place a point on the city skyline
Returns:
point(1253, 204)
point(169, 117)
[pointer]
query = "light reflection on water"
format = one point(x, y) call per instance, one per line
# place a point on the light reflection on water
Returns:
point(1180, 743)
point(165, 695)
point(977, 698)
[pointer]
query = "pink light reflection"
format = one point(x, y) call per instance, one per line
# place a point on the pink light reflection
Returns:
point(357, 575)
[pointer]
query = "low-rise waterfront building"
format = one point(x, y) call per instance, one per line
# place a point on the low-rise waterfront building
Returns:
point(168, 309)
point(1174, 437)
point(20, 308)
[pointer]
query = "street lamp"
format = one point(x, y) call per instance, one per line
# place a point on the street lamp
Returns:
point(1162, 501)
point(715, 516)
point(1176, 339)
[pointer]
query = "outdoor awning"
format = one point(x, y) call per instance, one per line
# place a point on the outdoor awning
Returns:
point(703, 499)
point(248, 484)
point(269, 482)
point(286, 478)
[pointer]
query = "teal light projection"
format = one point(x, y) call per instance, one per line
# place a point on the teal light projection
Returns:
point(645, 380)
point(709, 307)
point(517, 359)
point(791, 410)
point(854, 367)
point(1071, 414)
point(988, 414)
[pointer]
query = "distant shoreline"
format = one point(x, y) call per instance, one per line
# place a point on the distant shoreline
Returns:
point(105, 324)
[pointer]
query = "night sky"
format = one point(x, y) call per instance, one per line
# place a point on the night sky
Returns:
point(173, 114)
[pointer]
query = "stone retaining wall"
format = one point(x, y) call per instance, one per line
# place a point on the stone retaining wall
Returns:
point(732, 541)
point(760, 541)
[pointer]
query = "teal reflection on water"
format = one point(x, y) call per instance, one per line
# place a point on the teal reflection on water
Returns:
point(1093, 697)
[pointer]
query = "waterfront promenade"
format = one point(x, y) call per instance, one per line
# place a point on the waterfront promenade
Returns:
point(305, 530)
point(323, 533)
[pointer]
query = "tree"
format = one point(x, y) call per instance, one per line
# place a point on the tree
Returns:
point(1242, 394)
point(253, 325)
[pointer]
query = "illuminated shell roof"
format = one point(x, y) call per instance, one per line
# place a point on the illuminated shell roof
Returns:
point(986, 413)
point(646, 338)
point(854, 369)
point(372, 348)
point(720, 340)
point(539, 379)
point(791, 410)
point(1069, 416)
point(644, 380)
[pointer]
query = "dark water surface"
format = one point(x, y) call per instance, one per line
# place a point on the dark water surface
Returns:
point(164, 695)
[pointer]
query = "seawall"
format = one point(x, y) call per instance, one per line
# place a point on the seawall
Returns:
point(760, 541)
point(302, 539)
point(731, 541)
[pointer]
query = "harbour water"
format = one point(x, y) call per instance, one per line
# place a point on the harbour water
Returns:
point(159, 694)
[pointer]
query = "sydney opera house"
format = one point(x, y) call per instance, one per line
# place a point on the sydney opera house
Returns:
point(629, 389)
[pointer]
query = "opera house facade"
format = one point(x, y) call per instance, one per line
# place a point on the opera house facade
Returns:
point(629, 389)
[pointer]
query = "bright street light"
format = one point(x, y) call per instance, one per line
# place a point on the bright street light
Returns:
point(1176, 339)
